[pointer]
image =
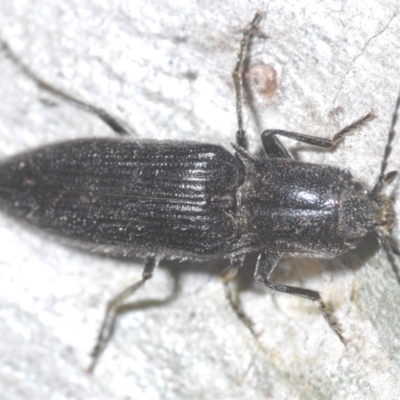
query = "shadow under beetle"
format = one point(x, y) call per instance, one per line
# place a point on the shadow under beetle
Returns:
point(188, 200)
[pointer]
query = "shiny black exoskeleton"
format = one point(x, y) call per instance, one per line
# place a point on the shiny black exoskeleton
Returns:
point(188, 200)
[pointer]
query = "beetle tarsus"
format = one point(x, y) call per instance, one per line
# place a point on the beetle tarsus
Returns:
point(333, 323)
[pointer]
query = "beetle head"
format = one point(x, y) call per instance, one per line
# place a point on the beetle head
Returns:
point(387, 216)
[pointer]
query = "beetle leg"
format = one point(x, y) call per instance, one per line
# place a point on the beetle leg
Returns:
point(266, 263)
point(275, 149)
point(112, 309)
point(237, 75)
point(226, 276)
point(114, 123)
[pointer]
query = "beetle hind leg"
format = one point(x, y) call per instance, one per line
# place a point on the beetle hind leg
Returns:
point(113, 122)
point(266, 263)
point(113, 307)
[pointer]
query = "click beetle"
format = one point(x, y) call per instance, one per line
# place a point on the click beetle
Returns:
point(195, 201)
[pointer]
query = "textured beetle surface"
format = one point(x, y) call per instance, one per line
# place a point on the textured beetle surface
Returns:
point(197, 201)
point(173, 199)
point(179, 199)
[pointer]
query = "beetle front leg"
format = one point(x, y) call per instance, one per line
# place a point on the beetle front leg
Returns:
point(275, 149)
point(266, 263)
point(113, 307)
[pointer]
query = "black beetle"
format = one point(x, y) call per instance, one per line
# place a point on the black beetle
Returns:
point(188, 200)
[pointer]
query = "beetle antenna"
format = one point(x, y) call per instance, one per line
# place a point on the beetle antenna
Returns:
point(391, 258)
point(390, 250)
point(388, 149)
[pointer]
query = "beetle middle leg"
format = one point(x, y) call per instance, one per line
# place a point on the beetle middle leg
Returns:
point(266, 263)
point(230, 272)
point(226, 276)
point(113, 306)
point(274, 149)
point(237, 73)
